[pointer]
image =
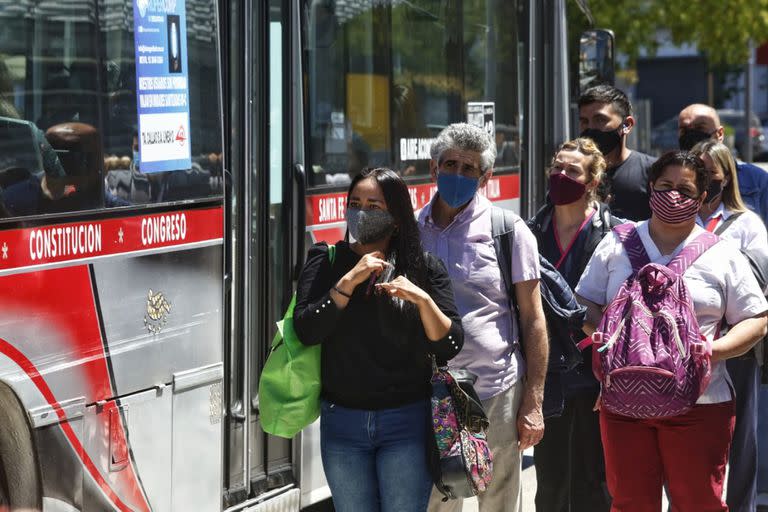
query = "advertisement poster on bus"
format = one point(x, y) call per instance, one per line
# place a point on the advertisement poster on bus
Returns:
point(162, 85)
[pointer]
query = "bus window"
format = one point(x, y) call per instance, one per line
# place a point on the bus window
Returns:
point(68, 111)
point(383, 78)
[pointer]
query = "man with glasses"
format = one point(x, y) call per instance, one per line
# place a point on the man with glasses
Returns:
point(508, 353)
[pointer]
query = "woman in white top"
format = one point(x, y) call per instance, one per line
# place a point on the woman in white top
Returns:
point(725, 214)
point(688, 452)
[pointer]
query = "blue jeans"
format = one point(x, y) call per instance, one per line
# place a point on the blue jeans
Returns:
point(376, 461)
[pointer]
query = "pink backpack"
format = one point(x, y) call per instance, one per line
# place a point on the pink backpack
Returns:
point(649, 354)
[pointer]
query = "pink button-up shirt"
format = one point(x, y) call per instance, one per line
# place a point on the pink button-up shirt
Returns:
point(490, 328)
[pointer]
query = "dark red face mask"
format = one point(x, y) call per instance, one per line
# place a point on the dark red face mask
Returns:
point(564, 190)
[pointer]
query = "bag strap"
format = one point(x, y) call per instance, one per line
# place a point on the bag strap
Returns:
point(692, 251)
point(503, 232)
point(331, 253)
point(632, 243)
point(727, 222)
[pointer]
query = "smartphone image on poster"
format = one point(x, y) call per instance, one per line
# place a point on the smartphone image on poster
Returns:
point(174, 43)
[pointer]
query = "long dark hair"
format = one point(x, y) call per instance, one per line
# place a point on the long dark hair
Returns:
point(405, 242)
point(405, 246)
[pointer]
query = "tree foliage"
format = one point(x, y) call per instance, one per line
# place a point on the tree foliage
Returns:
point(721, 29)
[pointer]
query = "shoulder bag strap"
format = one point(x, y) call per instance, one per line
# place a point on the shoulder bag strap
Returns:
point(632, 243)
point(727, 222)
point(692, 251)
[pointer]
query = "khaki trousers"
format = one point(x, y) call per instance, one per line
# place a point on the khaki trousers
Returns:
point(504, 493)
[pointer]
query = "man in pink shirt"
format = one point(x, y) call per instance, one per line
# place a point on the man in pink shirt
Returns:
point(507, 352)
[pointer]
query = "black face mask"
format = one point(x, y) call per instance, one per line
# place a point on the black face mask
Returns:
point(606, 141)
point(690, 138)
point(714, 190)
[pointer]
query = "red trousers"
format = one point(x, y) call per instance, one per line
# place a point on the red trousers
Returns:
point(687, 452)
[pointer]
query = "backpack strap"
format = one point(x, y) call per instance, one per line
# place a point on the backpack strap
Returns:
point(692, 251)
point(727, 222)
point(503, 233)
point(632, 243)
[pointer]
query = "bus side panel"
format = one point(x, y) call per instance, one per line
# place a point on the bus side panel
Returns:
point(145, 449)
point(130, 436)
point(197, 442)
point(162, 315)
point(54, 359)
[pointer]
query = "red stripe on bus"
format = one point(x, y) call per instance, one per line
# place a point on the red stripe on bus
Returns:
point(30, 369)
point(329, 235)
point(330, 208)
point(64, 297)
point(76, 241)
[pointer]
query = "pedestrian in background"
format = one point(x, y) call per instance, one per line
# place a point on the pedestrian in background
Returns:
point(697, 123)
point(687, 452)
point(507, 353)
point(376, 341)
point(605, 116)
point(747, 231)
point(570, 472)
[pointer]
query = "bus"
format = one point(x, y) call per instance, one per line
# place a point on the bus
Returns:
point(164, 165)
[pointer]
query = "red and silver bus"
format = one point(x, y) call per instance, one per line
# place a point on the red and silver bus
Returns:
point(140, 285)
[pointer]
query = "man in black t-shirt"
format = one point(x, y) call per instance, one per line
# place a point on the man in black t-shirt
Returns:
point(605, 116)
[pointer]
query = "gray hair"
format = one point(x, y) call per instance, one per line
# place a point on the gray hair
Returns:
point(465, 137)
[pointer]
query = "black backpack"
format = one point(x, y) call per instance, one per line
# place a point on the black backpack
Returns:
point(565, 316)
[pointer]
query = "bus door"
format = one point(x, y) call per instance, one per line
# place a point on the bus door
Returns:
point(267, 233)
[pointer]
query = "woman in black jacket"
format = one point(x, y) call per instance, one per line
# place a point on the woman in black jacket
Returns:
point(570, 471)
point(380, 309)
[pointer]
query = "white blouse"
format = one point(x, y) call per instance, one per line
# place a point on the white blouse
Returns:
point(720, 282)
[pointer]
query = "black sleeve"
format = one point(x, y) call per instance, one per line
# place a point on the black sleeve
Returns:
point(315, 314)
point(442, 294)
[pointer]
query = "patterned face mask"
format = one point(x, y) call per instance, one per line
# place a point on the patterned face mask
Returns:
point(368, 226)
point(672, 207)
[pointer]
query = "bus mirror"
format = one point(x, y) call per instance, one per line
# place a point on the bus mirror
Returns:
point(596, 58)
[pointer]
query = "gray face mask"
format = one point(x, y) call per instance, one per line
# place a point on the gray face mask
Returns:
point(368, 226)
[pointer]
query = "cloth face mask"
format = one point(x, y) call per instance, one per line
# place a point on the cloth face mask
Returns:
point(606, 141)
point(456, 190)
point(564, 190)
point(714, 190)
point(690, 138)
point(368, 226)
point(673, 207)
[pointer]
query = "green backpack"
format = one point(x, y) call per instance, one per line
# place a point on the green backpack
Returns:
point(289, 386)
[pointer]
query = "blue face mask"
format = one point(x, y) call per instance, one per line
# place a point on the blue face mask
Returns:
point(456, 190)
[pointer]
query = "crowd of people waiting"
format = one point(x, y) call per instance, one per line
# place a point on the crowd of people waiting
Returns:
point(401, 289)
